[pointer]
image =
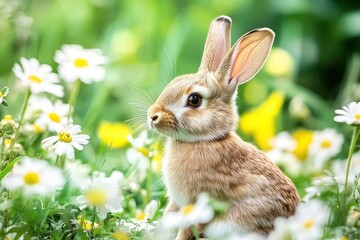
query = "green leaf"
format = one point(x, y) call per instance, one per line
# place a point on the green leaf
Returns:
point(4, 91)
point(5, 103)
point(8, 168)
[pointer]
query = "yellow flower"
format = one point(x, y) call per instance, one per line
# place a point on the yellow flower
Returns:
point(87, 225)
point(260, 122)
point(8, 117)
point(119, 235)
point(114, 134)
point(280, 63)
point(303, 139)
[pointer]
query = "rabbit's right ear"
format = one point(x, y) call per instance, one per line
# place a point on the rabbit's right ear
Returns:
point(217, 44)
point(245, 58)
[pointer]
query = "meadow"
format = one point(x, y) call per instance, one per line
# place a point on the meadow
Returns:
point(77, 160)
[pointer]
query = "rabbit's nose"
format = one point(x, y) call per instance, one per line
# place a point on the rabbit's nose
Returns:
point(156, 117)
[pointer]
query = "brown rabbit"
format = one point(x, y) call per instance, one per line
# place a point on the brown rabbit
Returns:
point(203, 153)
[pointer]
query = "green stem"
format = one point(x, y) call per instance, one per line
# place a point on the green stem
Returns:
point(2, 154)
point(93, 221)
point(73, 96)
point(195, 232)
point(17, 131)
point(149, 182)
point(60, 161)
point(351, 151)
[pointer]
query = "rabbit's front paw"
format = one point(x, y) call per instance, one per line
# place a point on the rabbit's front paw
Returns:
point(184, 234)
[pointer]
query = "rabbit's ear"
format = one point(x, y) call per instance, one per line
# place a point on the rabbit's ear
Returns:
point(217, 44)
point(245, 58)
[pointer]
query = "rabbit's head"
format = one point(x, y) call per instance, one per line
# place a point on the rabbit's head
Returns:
point(201, 106)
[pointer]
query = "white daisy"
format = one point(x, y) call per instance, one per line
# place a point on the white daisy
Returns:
point(3, 93)
point(151, 208)
point(309, 220)
point(133, 225)
point(283, 229)
point(139, 155)
point(76, 172)
point(283, 141)
point(38, 77)
point(283, 145)
point(34, 177)
point(67, 139)
point(339, 168)
point(143, 150)
point(142, 163)
point(149, 211)
point(102, 193)
point(117, 178)
point(319, 185)
point(53, 115)
point(75, 62)
point(287, 160)
point(190, 215)
point(349, 114)
point(307, 223)
point(325, 144)
point(34, 108)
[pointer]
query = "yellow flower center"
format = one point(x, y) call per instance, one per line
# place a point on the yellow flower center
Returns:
point(143, 151)
point(1, 94)
point(34, 79)
point(8, 117)
point(344, 238)
point(54, 117)
point(31, 178)
point(96, 197)
point(141, 215)
point(357, 116)
point(308, 224)
point(118, 235)
point(80, 63)
point(188, 209)
point(64, 137)
point(326, 144)
point(7, 141)
point(38, 128)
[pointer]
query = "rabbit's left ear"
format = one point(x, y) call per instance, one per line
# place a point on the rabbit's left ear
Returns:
point(245, 58)
point(217, 44)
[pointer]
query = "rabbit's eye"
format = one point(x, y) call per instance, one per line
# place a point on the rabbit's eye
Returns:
point(194, 100)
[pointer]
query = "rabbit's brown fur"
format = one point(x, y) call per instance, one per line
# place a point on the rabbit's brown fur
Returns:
point(204, 154)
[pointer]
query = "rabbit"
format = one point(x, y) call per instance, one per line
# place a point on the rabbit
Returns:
point(198, 114)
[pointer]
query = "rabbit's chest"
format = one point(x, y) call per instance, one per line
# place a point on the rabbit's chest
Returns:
point(186, 178)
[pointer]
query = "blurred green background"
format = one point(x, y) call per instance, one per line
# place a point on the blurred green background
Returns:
point(148, 42)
